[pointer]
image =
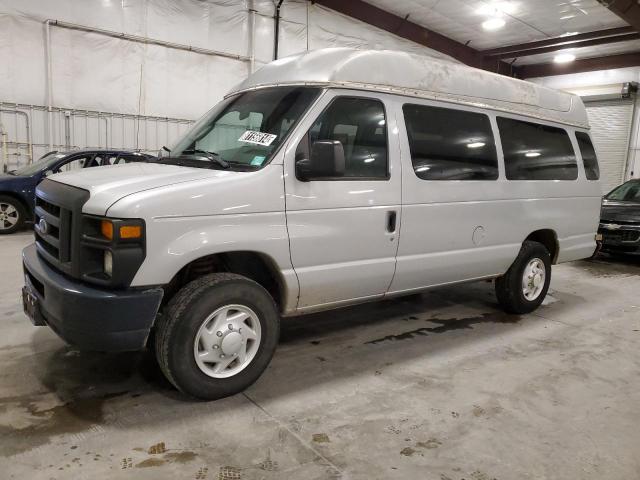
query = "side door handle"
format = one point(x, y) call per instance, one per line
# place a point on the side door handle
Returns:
point(391, 221)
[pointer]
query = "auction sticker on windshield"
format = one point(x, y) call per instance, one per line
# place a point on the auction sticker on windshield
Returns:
point(258, 138)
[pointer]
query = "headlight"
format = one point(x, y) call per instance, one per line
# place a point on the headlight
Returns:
point(112, 250)
point(108, 263)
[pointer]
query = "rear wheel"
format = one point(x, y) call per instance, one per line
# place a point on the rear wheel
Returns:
point(523, 288)
point(217, 336)
point(12, 215)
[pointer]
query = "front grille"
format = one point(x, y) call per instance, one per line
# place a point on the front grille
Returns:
point(619, 236)
point(57, 228)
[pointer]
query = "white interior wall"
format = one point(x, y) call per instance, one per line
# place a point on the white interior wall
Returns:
point(92, 71)
point(589, 80)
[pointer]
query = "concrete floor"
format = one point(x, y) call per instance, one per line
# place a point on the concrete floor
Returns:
point(440, 386)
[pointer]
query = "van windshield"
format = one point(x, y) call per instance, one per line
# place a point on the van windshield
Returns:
point(244, 130)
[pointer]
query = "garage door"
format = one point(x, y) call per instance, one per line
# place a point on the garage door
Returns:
point(611, 129)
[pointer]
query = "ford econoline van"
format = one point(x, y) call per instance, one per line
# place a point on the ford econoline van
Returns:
point(325, 179)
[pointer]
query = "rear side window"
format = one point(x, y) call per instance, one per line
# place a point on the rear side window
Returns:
point(450, 144)
point(536, 152)
point(360, 125)
point(591, 168)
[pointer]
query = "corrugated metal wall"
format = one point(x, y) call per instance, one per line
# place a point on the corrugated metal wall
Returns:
point(611, 122)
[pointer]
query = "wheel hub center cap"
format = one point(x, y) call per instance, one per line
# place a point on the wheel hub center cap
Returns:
point(231, 343)
point(537, 280)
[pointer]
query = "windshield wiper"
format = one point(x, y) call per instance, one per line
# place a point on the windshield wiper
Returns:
point(212, 156)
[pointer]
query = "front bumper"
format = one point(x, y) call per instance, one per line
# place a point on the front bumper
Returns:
point(88, 317)
point(616, 238)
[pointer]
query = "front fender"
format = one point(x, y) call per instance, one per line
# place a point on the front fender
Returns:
point(263, 233)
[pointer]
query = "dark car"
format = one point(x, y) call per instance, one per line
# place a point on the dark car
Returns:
point(620, 219)
point(17, 187)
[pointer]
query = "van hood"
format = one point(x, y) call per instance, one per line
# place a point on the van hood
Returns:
point(106, 185)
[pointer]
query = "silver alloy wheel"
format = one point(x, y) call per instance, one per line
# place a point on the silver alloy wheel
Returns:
point(533, 279)
point(9, 216)
point(227, 341)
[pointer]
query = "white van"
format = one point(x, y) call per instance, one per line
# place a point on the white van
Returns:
point(325, 179)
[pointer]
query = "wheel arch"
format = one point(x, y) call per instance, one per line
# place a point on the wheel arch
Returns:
point(257, 266)
point(549, 238)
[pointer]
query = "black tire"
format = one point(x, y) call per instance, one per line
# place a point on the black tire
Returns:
point(20, 213)
point(176, 332)
point(509, 286)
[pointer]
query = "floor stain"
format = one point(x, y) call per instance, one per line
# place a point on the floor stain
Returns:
point(229, 473)
point(156, 449)
point(603, 267)
point(320, 438)
point(447, 325)
point(202, 473)
point(76, 415)
point(408, 451)
point(429, 444)
point(150, 462)
point(183, 456)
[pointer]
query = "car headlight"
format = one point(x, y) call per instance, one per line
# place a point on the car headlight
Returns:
point(112, 250)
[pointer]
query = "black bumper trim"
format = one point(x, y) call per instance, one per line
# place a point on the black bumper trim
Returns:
point(88, 317)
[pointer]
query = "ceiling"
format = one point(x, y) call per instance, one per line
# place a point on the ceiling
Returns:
point(526, 21)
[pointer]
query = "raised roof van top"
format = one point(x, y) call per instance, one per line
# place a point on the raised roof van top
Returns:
point(420, 76)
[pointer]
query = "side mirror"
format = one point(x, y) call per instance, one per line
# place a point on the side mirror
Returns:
point(47, 173)
point(326, 161)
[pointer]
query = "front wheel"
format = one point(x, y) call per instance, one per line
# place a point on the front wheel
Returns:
point(12, 215)
point(217, 336)
point(523, 288)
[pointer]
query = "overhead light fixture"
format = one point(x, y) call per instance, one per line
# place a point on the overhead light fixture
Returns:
point(496, 8)
point(569, 34)
point(476, 145)
point(493, 24)
point(532, 154)
point(564, 58)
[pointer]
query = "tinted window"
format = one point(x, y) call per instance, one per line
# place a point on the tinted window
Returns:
point(450, 144)
point(360, 125)
point(536, 152)
point(588, 156)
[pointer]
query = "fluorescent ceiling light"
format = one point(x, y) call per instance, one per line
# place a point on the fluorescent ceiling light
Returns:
point(532, 154)
point(569, 34)
point(476, 145)
point(564, 58)
point(422, 169)
point(369, 160)
point(493, 24)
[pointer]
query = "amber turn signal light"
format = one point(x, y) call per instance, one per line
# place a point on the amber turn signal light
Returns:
point(131, 231)
point(106, 228)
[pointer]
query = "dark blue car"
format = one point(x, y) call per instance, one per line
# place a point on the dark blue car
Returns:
point(17, 187)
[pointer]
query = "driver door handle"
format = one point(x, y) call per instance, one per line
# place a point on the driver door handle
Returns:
point(391, 221)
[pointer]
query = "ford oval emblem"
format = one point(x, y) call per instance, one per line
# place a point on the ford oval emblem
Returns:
point(43, 226)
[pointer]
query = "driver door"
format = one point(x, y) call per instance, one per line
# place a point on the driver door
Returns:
point(343, 232)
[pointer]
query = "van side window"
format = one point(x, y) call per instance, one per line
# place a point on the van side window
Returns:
point(359, 124)
point(589, 158)
point(449, 144)
point(536, 152)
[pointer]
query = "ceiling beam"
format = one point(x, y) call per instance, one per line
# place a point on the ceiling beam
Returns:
point(599, 37)
point(579, 66)
point(627, 10)
point(403, 27)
